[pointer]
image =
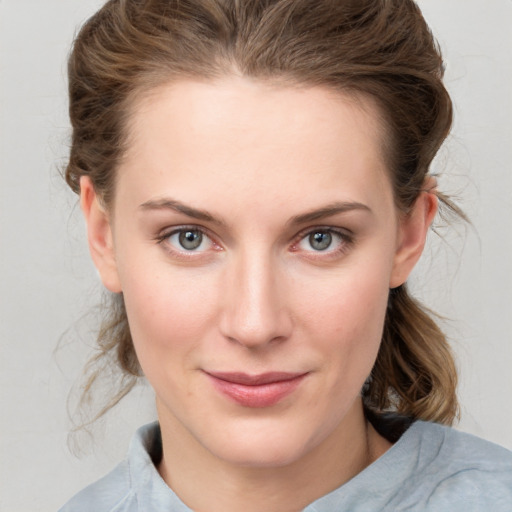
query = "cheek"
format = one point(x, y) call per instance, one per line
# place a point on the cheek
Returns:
point(347, 320)
point(168, 314)
point(354, 299)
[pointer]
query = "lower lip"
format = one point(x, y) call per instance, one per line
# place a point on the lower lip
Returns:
point(259, 396)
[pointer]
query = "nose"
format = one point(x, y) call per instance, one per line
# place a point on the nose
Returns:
point(255, 309)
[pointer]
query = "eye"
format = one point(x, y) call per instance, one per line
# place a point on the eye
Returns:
point(187, 240)
point(324, 240)
point(320, 240)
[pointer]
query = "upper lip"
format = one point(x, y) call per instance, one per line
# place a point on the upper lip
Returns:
point(255, 380)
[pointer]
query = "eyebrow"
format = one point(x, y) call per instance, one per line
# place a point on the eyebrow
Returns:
point(177, 206)
point(195, 213)
point(328, 211)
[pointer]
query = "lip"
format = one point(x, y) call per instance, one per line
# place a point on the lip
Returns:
point(256, 391)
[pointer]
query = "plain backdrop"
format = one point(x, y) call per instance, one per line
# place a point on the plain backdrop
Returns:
point(48, 285)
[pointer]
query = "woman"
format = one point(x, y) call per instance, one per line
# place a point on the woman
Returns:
point(255, 180)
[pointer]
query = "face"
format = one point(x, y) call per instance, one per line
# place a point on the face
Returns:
point(255, 238)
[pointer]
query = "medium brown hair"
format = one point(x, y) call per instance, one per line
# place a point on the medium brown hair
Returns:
point(381, 48)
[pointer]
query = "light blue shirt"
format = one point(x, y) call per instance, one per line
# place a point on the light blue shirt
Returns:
point(430, 468)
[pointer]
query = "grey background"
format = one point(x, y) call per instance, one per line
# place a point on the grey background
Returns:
point(48, 285)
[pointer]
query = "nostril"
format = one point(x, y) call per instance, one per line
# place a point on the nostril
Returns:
point(254, 343)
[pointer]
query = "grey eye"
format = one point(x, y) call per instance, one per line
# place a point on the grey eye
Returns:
point(320, 240)
point(190, 239)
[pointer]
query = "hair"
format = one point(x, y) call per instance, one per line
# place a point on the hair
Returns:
point(378, 48)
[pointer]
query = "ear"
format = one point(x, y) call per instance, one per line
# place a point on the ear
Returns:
point(99, 235)
point(412, 234)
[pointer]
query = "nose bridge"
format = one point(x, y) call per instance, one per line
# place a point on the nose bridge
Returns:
point(255, 313)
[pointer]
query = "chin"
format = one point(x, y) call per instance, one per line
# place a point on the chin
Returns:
point(273, 454)
point(264, 444)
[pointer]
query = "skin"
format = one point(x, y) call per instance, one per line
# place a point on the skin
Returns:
point(256, 295)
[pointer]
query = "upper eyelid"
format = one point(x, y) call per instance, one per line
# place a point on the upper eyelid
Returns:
point(167, 232)
point(344, 232)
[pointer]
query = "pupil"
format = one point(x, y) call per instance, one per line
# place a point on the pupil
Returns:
point(190, 239)
point(320, 240)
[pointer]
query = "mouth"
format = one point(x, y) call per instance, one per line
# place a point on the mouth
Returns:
point(256, 391)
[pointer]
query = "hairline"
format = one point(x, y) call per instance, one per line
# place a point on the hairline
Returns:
point(144, 90)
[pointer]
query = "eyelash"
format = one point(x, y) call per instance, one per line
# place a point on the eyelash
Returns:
point(346, 241)
point(184, 254)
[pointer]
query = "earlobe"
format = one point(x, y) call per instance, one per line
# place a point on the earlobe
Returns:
point(413, 231)
point(99, 235)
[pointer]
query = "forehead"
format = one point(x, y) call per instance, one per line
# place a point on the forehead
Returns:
point(242, 136)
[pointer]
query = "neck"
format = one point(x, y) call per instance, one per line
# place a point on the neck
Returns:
point(206, 483)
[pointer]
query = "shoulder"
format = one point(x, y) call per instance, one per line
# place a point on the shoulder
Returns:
point(460, 470)
point(112, 493)
point(120, 490)
point(464, 451)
